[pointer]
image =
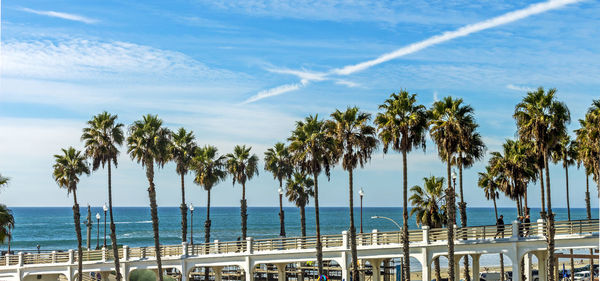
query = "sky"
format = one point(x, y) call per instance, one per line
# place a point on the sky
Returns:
point(243, 72)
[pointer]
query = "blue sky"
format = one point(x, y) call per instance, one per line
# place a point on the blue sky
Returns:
point(206, 66)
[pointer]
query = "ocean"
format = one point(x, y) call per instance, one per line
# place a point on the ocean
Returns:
point(52, 227)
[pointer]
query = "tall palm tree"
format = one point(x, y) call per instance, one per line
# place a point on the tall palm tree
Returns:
point(298, 191)
point(356, 141)
point(564, 151)
point(585, 158)
point(101, 138)
point(181, 149)
point(68, 167)
point(540, 117)
point(402, 125)
point(447, 125)
point(210, 169)
point(242, 166)
point(592, 118)
point(487, 181)
point(429, 207)
point(148, 144)
point(278, 161)
point(313, 151)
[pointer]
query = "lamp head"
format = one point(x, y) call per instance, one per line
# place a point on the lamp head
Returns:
point(375, 217)
point(361, 192)
point(192, 207)
point(97, 216)
point(105, 208)
point(280, 190)
point(453, 175)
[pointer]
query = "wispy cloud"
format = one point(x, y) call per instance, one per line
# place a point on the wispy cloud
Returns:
point(277, 91)
point(506, 18)
point(61, 15)
point(519, 88)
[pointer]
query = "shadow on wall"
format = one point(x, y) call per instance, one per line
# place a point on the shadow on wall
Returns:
point(146, 275)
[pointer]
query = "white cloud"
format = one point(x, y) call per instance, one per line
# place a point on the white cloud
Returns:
point(506, 18)
point(61, 15)
point(76, 59)
point(277, 91)
point(519, 88)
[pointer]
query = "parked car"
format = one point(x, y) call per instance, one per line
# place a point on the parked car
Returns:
point(493, 276)
point(583, 276)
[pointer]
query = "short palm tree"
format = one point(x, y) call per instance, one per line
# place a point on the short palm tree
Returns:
point(541, 118)
point(356, 140)
point(447, 124)
point(298, 191)
point(101, 138)
point(487, 181)
point(7, 223)
point(242, 166)
point(68, 167)
point(210, 169)
point(181, 151)
point(402, 125)
point(278, 161)
point(3, 181)
point(148, 144)
point(429, 206)
point(313, 151)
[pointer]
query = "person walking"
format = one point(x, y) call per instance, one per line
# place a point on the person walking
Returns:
point(526, 224)
point(520, 221)
point(499, 227)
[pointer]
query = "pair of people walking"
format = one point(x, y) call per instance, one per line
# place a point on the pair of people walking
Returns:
point(524, 223)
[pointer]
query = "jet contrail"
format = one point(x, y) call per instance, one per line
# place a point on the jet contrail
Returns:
point(509, 17)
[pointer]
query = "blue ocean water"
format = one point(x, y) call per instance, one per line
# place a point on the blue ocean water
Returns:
point(53, 229)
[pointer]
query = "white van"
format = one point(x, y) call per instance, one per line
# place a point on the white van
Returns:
point(583, 275)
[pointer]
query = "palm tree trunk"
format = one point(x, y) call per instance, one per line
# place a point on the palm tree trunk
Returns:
point(154, 214)
point(281, 214)
point(463, 212)
point(113, 231)
point(207, 224)
point(569, 217)
point(550, 215)
point(352, 228)
point(303, 221)
point(77, 220)
point(588, 209)
point(436, 264)
point(183, 208)
point(244, 212)
point(525, 206)
point(405, 248)
point(318, 225)
point(450, 194)
point(543, 211)
point(501, 255)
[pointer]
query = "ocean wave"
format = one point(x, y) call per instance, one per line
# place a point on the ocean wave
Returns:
point(130, 222)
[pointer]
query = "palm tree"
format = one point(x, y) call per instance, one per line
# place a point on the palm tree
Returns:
point(429, 208)
point(540, 117)
point(402, 125)
point(585, 158)
point(101, 138)
point(68, 167)
point(148, 143)
point(3, 181)
point(210, 170)
point(564, 151)
point(242, 166)
point(278, 161)
point(355, 140)
point(299, 190)
point(447, 125)
point(313, 151)
point(7, 223)
point(181, 151)
point(487, 181)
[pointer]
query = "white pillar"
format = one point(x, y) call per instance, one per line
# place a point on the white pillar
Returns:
point(527, 269)
point(425, 234)
point(515, 230)
point(53, 256)
point(184, 249)
point(249, 242)
point(376, 264)
point(103, 254)
point(125, 253)
point(281, 271)
point(540, 228)
point(375, 236)
point(516, 265)
point(345, 239)
point(475, 266)
point(457, 266)
point(218, 270)
point(542, 269)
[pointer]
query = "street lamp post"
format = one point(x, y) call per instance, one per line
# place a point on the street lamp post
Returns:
point(281, 215)
point(192, 224)
point(361, 193)
point(98, 227)
point(105, 208)
point(381, 217)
